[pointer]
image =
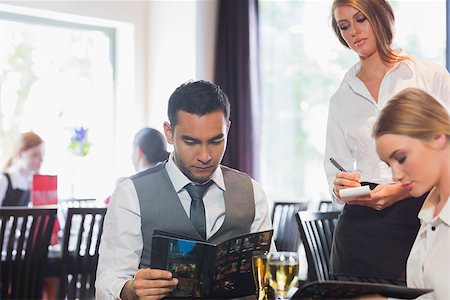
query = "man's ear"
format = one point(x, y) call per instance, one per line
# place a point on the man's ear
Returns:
point(168, 132)
point(228, 126)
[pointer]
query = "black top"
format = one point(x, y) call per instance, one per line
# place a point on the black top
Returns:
point(375, 244)
point(15, 197)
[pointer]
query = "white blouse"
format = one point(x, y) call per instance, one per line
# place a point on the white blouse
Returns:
point(428, 264)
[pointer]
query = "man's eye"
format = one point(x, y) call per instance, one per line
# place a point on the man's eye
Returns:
point(216, 142)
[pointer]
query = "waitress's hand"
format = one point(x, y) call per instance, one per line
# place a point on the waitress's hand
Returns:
point(384, 195)
point(345, 180)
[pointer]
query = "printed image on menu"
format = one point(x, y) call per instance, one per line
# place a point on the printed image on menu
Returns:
point(206, 270)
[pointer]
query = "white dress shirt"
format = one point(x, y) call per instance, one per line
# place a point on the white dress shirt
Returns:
point(353, 111)
point(18, 181)
point(429, 260)
point(121, 244)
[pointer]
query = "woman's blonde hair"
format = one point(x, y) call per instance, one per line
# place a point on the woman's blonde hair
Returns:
point(26, 141)
point(380, 15)
point(413, 113)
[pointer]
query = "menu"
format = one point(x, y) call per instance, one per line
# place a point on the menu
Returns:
point(206, 270)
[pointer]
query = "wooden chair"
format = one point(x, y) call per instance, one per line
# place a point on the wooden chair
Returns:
point(81, 241)
point(285, 229)
point(24, 239)
point(316, 230)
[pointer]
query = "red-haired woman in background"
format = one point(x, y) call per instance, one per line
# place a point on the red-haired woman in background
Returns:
point(15, 181)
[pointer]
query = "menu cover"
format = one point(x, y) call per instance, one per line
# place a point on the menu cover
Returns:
point(334, 289)
point(44, 191)
point(206, 270)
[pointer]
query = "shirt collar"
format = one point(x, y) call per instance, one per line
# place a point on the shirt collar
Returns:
point(409, 62)
point(179, 180)
point(352, 80)
point(427, 211)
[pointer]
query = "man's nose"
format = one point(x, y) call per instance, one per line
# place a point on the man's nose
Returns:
point(204, 155)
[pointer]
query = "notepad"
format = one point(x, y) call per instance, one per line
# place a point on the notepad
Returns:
point(355, 192)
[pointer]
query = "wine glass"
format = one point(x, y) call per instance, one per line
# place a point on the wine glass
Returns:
point(282, 271)
point(259, 265)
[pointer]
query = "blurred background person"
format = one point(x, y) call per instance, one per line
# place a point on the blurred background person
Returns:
point(413, 136)
point(149, 149)
point(17, 175)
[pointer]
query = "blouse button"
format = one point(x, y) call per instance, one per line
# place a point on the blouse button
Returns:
point(433, 228)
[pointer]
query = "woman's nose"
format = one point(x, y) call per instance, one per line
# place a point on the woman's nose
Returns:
point(397, 175)
point(354, 29)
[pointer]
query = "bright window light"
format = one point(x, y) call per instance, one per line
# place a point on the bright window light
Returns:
point(55, 80)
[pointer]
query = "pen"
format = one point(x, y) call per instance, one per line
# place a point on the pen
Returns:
point(337, 165)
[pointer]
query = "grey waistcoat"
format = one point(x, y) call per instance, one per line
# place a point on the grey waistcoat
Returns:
point(161, 208)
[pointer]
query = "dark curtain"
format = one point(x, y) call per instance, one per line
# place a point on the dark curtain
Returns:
point(237, 73)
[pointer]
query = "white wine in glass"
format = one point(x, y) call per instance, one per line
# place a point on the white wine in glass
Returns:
point(282, 271)
point(259, 265)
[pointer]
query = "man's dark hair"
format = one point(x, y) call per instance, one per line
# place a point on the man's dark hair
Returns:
point(199, 98)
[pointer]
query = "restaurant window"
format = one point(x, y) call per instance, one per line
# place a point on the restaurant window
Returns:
point(58, 80)
point(302, 65)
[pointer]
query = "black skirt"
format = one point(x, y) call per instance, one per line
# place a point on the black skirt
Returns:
point(374, 245)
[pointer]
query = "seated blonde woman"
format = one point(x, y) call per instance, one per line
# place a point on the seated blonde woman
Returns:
point(412, 136)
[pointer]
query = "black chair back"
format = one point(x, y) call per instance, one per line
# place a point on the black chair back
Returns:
point(81, 241)
point(326, 205)
point(285, 229)
point(65, 204)
point(316, 230)
point(24, 239)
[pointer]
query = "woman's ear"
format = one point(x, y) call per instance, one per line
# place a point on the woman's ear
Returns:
point(440, 141)
point(139, 152)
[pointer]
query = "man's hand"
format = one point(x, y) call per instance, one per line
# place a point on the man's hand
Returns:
point(384, 195)
point(149, 284)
